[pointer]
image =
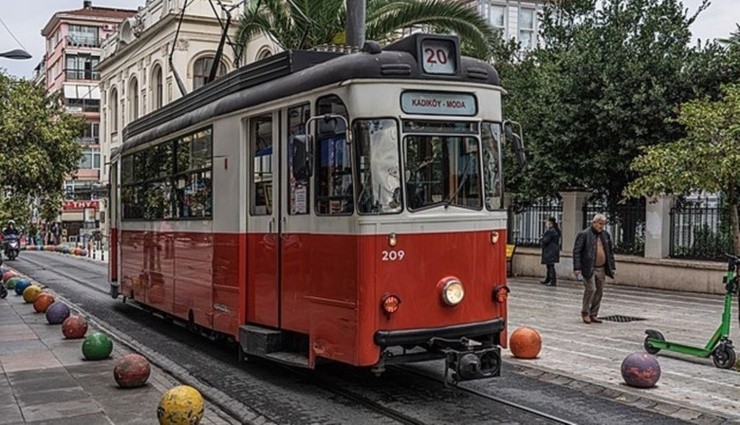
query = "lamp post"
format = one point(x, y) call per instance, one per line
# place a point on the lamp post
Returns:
point(16, 54)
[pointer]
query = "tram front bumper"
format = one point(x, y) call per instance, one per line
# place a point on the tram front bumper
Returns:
point(426, 336)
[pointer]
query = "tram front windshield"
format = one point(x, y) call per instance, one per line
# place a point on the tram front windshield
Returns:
point(442, 170)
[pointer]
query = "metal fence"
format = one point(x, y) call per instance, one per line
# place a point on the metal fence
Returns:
point(700, 229)
point(527, 226)
point(625, 224)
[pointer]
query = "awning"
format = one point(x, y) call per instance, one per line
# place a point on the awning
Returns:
point(81, 91)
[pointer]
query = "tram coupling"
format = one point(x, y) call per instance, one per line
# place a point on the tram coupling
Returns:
point(467, 359)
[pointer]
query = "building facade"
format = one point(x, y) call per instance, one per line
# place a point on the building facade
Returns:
point(73, 49)
point(142, 62)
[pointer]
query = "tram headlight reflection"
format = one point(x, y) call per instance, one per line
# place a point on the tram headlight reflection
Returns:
point(453, 291)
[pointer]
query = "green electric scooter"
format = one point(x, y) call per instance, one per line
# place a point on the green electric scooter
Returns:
point(719, 346)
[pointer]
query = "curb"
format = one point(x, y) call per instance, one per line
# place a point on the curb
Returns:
point(586, 386)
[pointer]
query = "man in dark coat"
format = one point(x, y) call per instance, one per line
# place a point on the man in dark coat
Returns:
point(593, 259)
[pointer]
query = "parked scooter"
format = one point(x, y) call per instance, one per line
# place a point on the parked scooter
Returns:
point(12, 246)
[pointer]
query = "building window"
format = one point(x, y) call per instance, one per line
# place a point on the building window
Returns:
point(264, 54)
point(83, 105)
point(157, 90)
point(83, 35)
point(497, 17)
point(113, 118)
point(90, 159)
point(202, 69)
point(81, 67)
point(526, 29)
point(133, 99)
point(90, 133)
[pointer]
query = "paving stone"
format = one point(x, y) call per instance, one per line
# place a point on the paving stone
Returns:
point(89, 419)
point(33, 381)
point(10, 413)
point(59, 404)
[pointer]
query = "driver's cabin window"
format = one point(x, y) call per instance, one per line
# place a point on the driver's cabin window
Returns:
point(334, 192)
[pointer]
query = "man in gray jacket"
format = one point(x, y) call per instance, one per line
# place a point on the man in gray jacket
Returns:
point(593, 259)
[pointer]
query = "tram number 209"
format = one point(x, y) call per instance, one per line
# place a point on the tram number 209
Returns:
point(393, 255)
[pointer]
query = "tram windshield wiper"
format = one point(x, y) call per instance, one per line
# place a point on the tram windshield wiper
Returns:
point(448, 201)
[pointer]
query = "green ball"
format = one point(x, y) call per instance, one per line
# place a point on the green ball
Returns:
point(97, 346)
point(10, 284)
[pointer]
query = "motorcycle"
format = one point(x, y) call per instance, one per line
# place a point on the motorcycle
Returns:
point(12, 246)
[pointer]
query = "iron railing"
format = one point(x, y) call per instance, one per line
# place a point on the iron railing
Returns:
point(625, 224)
point(527, 226)
point(700, 229)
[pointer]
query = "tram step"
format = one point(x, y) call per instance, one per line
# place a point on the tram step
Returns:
point(260, 341)
point(293, 359)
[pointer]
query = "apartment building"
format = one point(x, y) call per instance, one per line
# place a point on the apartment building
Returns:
point(73, 50)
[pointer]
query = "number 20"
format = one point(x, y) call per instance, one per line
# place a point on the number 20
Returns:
point(436, 56)
point(393, 255)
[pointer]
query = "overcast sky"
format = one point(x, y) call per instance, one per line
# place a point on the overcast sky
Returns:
point(25, 18)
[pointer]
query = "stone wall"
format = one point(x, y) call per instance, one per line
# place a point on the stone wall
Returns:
point(670, 274)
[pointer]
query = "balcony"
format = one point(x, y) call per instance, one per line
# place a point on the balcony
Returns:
point(90, 42)
point(81, 74)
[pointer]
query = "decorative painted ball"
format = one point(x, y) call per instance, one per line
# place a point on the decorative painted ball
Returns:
point(181, 405)
point(21, 286)
point(8, 275)
point(43, 301)
point(74, 327)
point(525, 343)
point(83, 253)
point(57, 313)
point(131, 371)
point(31, 293)
point(10, 283)
point(76, 251)
point(640, 370)
point(97, 346)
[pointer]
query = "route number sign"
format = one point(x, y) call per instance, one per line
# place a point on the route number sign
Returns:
point(439, 56)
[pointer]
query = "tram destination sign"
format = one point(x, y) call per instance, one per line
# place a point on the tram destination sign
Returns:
point(438, 103)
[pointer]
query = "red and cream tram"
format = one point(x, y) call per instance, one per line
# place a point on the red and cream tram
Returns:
point(318, 205)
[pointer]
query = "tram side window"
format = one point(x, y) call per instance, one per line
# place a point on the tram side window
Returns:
point(260, 153)
point(193, 181)
point(378, 166)
point(298, 181)
point(334, 193)
point(491, 139)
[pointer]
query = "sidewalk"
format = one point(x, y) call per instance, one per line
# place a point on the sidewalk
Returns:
point(45, 379)
point(588, 356)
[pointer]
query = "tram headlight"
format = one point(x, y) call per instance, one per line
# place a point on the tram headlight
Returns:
point(453, 291)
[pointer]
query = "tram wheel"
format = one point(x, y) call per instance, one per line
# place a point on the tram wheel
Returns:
point(724, 356)
point(652, 335)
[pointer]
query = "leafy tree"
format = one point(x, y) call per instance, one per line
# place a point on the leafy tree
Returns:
point(295, 24)
point(607, 81)
point(707, 158)
point(38, 145)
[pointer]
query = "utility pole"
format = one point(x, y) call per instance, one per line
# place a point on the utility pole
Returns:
point(356, 22)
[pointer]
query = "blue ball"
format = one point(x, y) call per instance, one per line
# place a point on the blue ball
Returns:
point(57, 313)
point(21, 286)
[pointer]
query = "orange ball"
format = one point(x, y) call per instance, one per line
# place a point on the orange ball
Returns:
point(525, 343)
point(43, 301)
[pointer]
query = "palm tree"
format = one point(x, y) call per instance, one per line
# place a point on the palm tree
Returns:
point(734, 39)
point(303, 24)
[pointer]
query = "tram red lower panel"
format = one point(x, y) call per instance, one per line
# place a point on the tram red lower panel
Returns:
point(330, 286)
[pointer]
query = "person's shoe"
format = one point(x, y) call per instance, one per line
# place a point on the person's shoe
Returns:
point(585, 318)
point(544, 282)
point(595, 319)
point(551, 284)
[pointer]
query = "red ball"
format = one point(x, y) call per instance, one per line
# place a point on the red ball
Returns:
point(8, 275)
point(43, 301)
point(74, 327)
point(131, 371)
point(525, 343)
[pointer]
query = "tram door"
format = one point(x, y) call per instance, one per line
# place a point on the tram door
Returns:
point(263, 223)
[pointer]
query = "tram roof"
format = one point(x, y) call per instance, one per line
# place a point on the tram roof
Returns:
point(288, 73)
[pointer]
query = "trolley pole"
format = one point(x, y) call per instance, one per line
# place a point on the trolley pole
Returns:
point(356, 22)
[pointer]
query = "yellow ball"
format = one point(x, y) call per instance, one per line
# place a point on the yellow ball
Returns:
point(182, 405)
point(30, 293)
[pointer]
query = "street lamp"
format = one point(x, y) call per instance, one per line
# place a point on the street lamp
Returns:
point(16, 54)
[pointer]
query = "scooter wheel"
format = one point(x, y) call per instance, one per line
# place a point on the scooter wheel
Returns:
point(3, 292)
point(654, 335)
point(724, 356)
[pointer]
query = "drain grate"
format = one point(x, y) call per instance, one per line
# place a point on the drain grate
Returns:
point(622, 319)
